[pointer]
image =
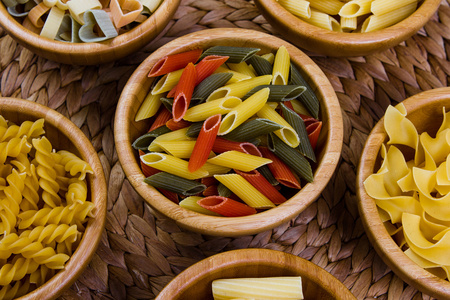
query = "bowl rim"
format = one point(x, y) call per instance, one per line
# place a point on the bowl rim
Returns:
point(91, 53)
point(256, 256)
point(227, 226)
point(81, 257)
point(349, 44)
point(383, 243)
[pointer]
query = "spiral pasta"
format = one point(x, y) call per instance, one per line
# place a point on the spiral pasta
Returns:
point(44, 207)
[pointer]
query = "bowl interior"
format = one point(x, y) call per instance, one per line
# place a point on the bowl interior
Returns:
point(425, 112)
point(64, 135)
point(195, 282)
point(329, 144)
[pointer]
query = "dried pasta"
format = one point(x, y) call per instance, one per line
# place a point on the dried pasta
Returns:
point(44, 207)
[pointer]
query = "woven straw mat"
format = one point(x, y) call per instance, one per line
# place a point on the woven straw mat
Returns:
point(141, 250)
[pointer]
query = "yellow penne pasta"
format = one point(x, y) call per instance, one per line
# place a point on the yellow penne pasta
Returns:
point(191, 204)
point(245, 191)
point(355, 8)
point(180, 149)
point(299, 107)
point(299, 8)
point(281, 66)
point(331, 7)
point(167, 82)
point(177, 135)
point(244, 111)
point(323, 20)
point(239, 89)
point(214, 169)
point(377, 22)
point(205, 110)
point(236, 75)
point(349, 24)
point(287, 133)
point(380, 7)
point(265, 288)
point(149, 107)
point(270, 57)
point(242, 68)
point(171, 164)
point(239, 160)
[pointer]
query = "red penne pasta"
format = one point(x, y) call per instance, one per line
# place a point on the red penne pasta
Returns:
point(184, 91)
point(226, 207)
point(308, 120)
point(174, 62)
point(204, 143)
point(172, 196)
point(280, 170)
point(209, 181)
point(161, 118)
point(223, 145)
point(289, 105)
point(210, 191)
point(147, 170)
point(263, 185)
point(172, 125)
point(313, 131)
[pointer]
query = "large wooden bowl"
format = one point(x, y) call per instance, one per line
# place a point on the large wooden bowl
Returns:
point(195, 282)
point(91, 53)
point(126, 130)
point(425, 111)
point(322, 41)
point(64, 135)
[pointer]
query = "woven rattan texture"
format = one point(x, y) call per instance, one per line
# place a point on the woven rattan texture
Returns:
point(141, 251)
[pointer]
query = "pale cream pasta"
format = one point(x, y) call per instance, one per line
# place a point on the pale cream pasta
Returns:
point(331, 7)
point(377, 22)
point(299, 8)
point(281, 66)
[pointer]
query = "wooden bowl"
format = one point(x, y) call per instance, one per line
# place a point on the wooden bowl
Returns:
point(91, 53)
point(425, 111)
point(64, 135)
point(195, 282)
point(126, 130)
point(322, 41)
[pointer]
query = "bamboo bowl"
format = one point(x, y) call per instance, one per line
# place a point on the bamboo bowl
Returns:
point(195, 282)
point(425, 111)
point(64, 135)
point(126, 130)
point(322, 41)
point(91, 53)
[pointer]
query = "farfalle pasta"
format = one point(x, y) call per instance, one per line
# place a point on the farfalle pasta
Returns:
point(412, 189)
point(43, 207)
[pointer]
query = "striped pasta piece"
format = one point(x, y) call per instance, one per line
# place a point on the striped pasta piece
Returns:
point(214, 169)
point(147, 170)
point(149, 107)
point(299, 8)
point(281, 172)
point(183, 92)
point(380, 7)
point(142, 142)
point(176, 184)
point(377, 22)
point(210, 191)
point(355, 8)
point(205, 110)
point(245, 191)
point(204, 142)
point(226, 207)
point(242, 68)
point(279, 93)
point(235, 76)
point(263, 185)
point(171, 164)
point(324, 21)
point(191, 204)
point(244, 111)
point(298, 124)
point(194, 129)
point(293, 158)
point(236, 54)
point(209, 84)
point(313, 133)
point(167, 82)
point(280, 71)
point(177, 135)
point(222, 145)
point(180, 149)
point(13, 148)
point(18, 289)
point(252, 129)
point(239, 89)
point(261, 65)
point(308, 98)
point(287, 134)
point(175, 125)
point(74, 165)
point(349, 24)
point(174, 62)
point(28, 128)
point(161, 119)
point(17, 269)
point(331, 7)
point(239, 160)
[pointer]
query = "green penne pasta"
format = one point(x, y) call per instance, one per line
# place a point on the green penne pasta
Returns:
point(175, 184)
point(167, 102)
point(261, 65)
point(265, 171)
point(236, 54)
point(194, 129)
point(308, 98)
point(297, 123)
point(252, 129)
point(223, 190)
point(142, 142)
point(209, 84)
point(291, 157)
point(279, 93)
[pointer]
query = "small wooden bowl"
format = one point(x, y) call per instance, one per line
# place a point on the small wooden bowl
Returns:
point(326, 42)
point(425, 111)
point(195, 282)
point(64, 135)
point(126, 130)
point(91, 53)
